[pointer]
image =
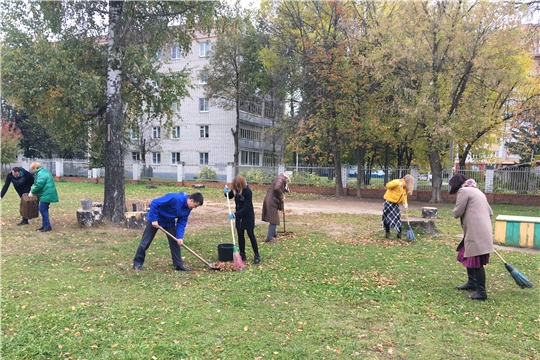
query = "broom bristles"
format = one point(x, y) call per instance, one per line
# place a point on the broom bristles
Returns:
point(410, 234)
point(237, 259)
point(520, 279)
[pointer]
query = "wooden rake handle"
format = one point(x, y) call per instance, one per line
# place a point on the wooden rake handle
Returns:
point(184, 245)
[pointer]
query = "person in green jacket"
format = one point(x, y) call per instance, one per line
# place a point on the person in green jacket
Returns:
point(45, 189)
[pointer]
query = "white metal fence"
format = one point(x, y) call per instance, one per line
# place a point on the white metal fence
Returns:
point(511, 180)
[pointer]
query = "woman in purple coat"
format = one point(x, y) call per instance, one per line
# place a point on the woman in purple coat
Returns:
point(473, 251)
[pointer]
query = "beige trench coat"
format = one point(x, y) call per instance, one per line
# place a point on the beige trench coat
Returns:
point(475, 213)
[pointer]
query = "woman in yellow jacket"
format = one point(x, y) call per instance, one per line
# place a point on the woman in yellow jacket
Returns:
point(396, 193)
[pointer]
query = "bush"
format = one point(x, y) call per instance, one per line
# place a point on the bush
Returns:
point(257, 176)
point(207, 174)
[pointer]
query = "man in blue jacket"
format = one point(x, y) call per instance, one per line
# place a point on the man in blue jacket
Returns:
point(22, 182)
point(170, 212)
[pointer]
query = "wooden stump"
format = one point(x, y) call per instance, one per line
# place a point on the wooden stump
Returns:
point(151, 186)
point(198, 186)
point(89, 217)
point(135, 219)
point(429, 213)
point(427, 225)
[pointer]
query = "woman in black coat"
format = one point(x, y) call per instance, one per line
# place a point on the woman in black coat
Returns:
point(245, 215)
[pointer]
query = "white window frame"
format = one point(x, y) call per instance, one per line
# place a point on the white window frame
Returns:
point(203, 158)
point(204, 48)
point(203, 105)
point(251, 158)
point(204, 131)
point(176, 107)
point(175, 158)
point(158, 54)
point(156, 158)
point(135, 156)
point(175, 52)
point(156, 132)
point(203, 78)
point(134, 134)
point(175, 133)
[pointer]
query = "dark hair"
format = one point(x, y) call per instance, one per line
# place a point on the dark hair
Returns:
point(16, 169)
point(197, 197)
point(455, 183)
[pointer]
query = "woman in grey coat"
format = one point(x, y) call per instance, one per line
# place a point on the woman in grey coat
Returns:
point(473, 251)
point(273, 202)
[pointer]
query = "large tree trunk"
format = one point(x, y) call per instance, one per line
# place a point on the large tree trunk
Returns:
point(436, 180)
point(114, 201)
point(337, 167)
point(360, 174)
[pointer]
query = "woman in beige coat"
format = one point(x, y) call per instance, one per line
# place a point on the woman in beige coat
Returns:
point(473, 251)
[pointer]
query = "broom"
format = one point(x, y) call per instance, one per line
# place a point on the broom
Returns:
point(518, 277)
point(237, 259)
point(410, 233)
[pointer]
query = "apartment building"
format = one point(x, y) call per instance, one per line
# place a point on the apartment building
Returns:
point(201, 132)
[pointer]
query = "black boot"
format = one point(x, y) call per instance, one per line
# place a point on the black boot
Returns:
point(480, 293)
point(243, 256)
point(256, 259)
point(399, 235)
point(471, 283)
point(387, 235)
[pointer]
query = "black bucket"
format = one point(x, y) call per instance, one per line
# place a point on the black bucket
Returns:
point(225, 251)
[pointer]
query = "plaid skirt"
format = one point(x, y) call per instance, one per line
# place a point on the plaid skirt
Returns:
point(473, 262)
point(391, 215)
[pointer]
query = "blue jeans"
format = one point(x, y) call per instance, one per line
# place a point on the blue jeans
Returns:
point(148, 236)
point(44, 211)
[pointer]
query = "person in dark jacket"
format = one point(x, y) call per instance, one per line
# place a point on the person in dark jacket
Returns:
point(171, 212)
point(273, 202)
point(244, 215)
point(45, 189)
point(22, 182)
point(474, 212)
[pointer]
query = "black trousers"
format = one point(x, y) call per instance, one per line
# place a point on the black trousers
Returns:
point(146, 240)
point(242, 240)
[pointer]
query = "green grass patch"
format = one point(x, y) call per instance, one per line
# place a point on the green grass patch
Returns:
point(336, 289)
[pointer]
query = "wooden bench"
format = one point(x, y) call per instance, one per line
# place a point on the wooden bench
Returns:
point(518, 231)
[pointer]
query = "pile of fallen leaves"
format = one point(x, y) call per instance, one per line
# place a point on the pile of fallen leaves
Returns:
point(224, 266)
point(286, 235)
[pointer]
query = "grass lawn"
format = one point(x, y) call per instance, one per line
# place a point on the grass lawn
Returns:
point(335, 290)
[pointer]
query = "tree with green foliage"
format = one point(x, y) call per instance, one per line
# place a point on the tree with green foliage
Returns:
point(89, 67)
point(233, 73)
point(448, 50)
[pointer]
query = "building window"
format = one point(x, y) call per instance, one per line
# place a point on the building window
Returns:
point(203, 158)
point(156, 158)
point(175, 52)
point(175, 158)
point(250, 132)
point(203, 131)
point(203, 77)
point(158, 55)
point(204, 48)
point(136, 156)
point(175, 134)
point(176, 107)
point(134, 134)
point(203, 105)
point(156, 132)
point(249, 158)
